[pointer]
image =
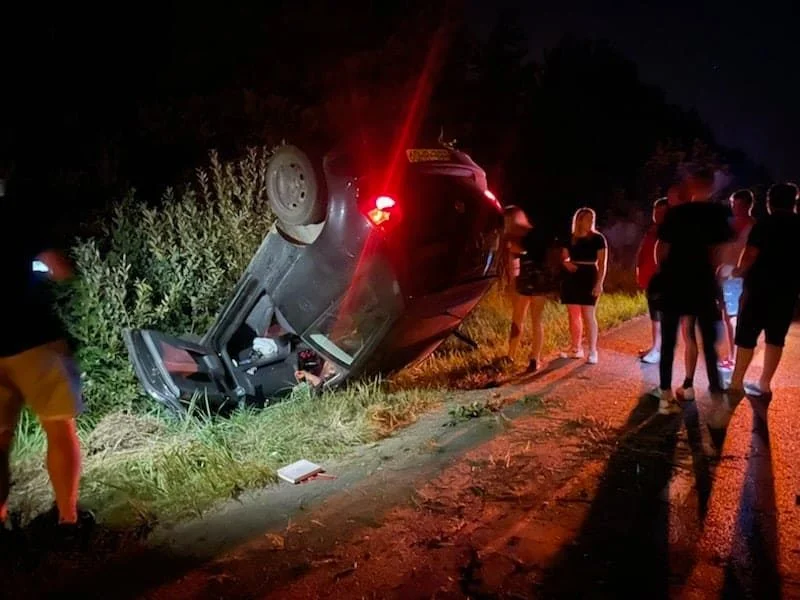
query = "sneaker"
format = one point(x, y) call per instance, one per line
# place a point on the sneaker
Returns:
point(685, 394)
point(49, 534)
point(754, 390)
point(652, 358)
point(75, 536)
point(593, 358)
point(668, 404)
point(573, 354)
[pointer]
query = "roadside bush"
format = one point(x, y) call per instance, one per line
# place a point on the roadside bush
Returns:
point(167, 267)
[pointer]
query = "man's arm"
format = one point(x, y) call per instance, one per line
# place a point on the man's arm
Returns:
point(661, 251)
point(746, 261)
point(57, 265)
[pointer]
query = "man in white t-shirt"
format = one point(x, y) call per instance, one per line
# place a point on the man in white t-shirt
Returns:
point(742, 206)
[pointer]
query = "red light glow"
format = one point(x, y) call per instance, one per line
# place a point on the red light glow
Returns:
point(493, 198)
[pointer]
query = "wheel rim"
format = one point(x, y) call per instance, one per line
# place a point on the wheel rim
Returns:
point(290, 181)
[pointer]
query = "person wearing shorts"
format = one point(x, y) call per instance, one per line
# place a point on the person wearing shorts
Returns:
point(36, 369)
point(769, 266)
point(742, 207)
point(536, 269)
point(585, 260)
point(645, 272)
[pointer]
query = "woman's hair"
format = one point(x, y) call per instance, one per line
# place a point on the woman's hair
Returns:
point(579, 214)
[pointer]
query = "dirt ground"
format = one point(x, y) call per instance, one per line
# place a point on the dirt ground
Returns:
point(571, 485)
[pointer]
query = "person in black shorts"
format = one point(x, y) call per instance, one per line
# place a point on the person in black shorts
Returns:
point(771, 272)
point(535, 263)
point(585, 259)
point(689, 250)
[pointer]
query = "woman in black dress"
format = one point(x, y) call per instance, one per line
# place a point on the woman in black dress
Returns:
point(585, 260)
point(534, 255)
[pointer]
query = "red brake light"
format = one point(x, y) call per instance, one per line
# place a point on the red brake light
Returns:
point(381, 210)
point(384, 202)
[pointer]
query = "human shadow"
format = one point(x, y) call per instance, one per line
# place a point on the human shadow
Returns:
point(752, 570)
point(704, 464)
point(622, 548)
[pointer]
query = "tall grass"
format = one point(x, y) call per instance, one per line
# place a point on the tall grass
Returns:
point(170, 267)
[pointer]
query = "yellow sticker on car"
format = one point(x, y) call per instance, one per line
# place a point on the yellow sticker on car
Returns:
point(416, 155)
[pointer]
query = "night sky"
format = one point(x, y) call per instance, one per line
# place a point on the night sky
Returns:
point(736, 63)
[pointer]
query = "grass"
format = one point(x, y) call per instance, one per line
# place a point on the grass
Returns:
point(143, 468)
point(455, 365)
point(169, 267)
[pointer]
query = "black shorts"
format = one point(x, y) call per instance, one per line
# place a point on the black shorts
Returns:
point(768, 313)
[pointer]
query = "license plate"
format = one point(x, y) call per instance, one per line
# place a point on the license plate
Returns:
point(417, 155)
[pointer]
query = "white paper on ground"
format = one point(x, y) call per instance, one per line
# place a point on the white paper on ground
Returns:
point(299, 471)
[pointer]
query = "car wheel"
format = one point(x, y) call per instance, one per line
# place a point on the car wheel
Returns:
point(293, 188)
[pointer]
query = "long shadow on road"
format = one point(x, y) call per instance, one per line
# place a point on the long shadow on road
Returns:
point(753, 568)
point(622, 548)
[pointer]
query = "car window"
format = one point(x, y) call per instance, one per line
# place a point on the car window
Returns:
point(350, 325)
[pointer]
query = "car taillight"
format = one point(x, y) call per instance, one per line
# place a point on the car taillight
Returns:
point(381, 210)
point(493, 199)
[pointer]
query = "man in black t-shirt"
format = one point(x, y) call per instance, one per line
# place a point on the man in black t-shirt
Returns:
point(689, 250)
point(770, 266)
point(36, 368)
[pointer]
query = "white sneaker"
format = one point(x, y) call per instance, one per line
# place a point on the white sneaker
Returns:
point(573, 354)
point(685, 394)
point(668, 405)
point(593, 358)
point(652, 358)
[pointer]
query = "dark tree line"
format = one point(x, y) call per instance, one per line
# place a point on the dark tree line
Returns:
point(100, 101)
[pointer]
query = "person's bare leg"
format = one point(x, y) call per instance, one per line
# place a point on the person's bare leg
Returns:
point(589, 315)
point(6, 439)
point(744, 356)
point(691, 351)
point(575, 327)
point(655, 328)
point(537, 323)
point(730, 328)
point(63, 465)
point(772, 358)
point(520, 308)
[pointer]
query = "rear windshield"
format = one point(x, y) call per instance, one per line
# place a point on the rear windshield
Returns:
point(357, 321)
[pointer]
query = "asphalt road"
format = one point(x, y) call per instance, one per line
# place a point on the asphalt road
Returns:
point(579, 489)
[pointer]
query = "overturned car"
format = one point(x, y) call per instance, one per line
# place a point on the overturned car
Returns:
point(369, 267)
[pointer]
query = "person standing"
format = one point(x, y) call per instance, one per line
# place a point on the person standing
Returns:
point(585, 260)
point(689, 249)
point(770, 266)
point(742, 206)
point(645, 270)
point(36, 368)
point(537, 278)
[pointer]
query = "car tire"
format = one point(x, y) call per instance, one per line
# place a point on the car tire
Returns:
point(294, 188)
